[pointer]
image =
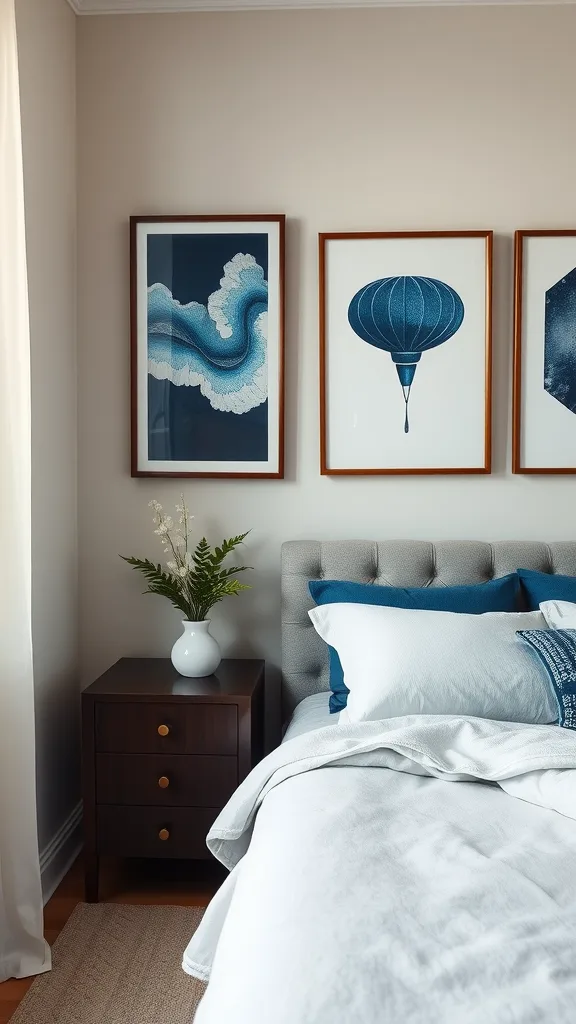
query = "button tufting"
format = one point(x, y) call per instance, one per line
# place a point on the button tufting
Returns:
point(415, 564)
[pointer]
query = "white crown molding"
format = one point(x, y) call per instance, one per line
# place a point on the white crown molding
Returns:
point(177, 6)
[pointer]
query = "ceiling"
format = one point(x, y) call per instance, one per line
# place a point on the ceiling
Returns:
point(171, 6)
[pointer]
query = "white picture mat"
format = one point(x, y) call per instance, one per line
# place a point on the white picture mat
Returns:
point(364, 402)
point(548, 428)
point(272, 229)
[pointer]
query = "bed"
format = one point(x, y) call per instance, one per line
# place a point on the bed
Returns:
point(418, 870)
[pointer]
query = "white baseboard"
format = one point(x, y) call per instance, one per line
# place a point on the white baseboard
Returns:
point(61, 852)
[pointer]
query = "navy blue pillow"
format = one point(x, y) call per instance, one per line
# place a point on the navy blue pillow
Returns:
point(556, 650)
point(545, 586)
point(500, 595)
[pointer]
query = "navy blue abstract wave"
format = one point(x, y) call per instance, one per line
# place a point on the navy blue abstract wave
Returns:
point(219, 347)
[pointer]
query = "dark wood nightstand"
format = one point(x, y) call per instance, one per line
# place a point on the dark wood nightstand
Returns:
point(162, 754)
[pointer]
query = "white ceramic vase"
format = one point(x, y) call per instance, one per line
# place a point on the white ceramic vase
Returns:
point(196, 653)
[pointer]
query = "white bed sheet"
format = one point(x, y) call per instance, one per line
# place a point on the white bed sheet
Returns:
point(311, 713)
point(381, 882)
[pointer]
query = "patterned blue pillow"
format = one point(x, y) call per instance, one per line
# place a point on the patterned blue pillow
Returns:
point(556, 650)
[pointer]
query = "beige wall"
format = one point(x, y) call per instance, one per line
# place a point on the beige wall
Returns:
point(440, 118)
point(46, 41)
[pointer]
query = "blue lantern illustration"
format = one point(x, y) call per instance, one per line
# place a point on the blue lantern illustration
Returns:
point(406, 316)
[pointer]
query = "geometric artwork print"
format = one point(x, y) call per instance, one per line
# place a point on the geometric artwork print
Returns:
point(560, 341)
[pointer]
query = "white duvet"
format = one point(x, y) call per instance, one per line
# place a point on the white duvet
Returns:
point(367, 889)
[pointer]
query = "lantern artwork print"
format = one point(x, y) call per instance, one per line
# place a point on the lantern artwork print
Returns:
point(406, 316)
point(405, 353)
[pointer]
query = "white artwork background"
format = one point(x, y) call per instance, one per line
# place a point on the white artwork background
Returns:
point(548, 428)
point(365, 405)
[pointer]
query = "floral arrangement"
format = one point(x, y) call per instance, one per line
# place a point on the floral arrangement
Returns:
point(193, 580)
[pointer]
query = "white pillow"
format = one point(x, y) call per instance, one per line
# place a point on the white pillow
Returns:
point(559, 614)
point(400, 661)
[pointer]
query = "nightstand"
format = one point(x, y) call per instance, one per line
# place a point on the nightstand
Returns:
point(162, 754)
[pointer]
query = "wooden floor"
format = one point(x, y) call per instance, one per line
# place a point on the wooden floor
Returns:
point(151, 882)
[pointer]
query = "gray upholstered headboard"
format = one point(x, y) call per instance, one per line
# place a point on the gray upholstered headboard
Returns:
point(397, 563)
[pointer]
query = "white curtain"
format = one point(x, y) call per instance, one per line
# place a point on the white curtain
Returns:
point(23, 950)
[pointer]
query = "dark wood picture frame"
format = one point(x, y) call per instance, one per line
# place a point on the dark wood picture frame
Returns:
point(517, 461)
point(325, 469)
point(276, 218)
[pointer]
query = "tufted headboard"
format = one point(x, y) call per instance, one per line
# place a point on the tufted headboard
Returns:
point(392, 562)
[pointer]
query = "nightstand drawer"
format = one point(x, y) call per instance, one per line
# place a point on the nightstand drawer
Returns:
point(168, 780)
point(138, 831)
point(137, 728)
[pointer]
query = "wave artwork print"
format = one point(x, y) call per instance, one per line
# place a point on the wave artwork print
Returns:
point(207, 347)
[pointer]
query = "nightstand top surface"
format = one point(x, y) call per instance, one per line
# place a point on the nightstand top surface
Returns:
point(157, 678)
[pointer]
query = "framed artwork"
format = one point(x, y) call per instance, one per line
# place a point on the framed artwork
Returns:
point(544, 416)
point(405, 352)
point(207, 345)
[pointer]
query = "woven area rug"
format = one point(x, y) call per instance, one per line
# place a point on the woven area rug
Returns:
point(117, 964)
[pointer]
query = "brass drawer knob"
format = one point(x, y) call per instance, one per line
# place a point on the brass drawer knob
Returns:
point(163, 730)
point(163, 782)
point(163, 834)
